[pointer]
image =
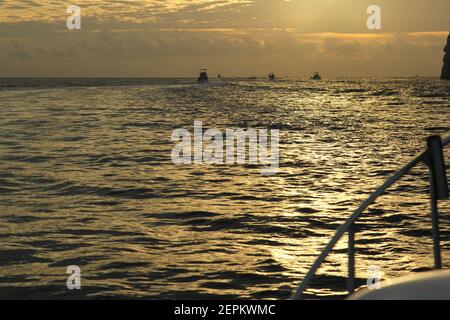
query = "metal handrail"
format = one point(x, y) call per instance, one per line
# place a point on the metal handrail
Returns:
point(348, 226)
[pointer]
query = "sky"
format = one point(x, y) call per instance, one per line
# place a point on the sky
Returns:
point(175, 38)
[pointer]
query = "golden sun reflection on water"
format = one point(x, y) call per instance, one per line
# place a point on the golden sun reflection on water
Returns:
point(90, 183)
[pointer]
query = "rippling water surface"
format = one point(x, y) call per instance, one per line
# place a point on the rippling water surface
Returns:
point(86, 179)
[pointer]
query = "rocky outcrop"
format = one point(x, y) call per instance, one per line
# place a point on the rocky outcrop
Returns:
point(446, 69)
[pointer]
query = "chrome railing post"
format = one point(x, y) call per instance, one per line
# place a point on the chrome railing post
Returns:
point(438, 190)
point(351, 259)
point(435, 226)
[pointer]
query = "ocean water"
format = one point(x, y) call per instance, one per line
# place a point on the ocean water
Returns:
point(86, 179)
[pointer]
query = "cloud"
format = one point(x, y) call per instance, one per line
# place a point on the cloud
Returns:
point(132, 44)
point(16, 51)
point(173, 37)
point(308, 16)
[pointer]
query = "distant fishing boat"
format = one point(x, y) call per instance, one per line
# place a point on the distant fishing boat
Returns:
point(316, 76)
point(203, 78)
point(272, 77)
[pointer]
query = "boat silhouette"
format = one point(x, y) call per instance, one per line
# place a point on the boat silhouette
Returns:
point(203, 78)
point(316, 76)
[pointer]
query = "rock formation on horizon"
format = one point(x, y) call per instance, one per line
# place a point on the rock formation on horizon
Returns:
point(446, 69)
